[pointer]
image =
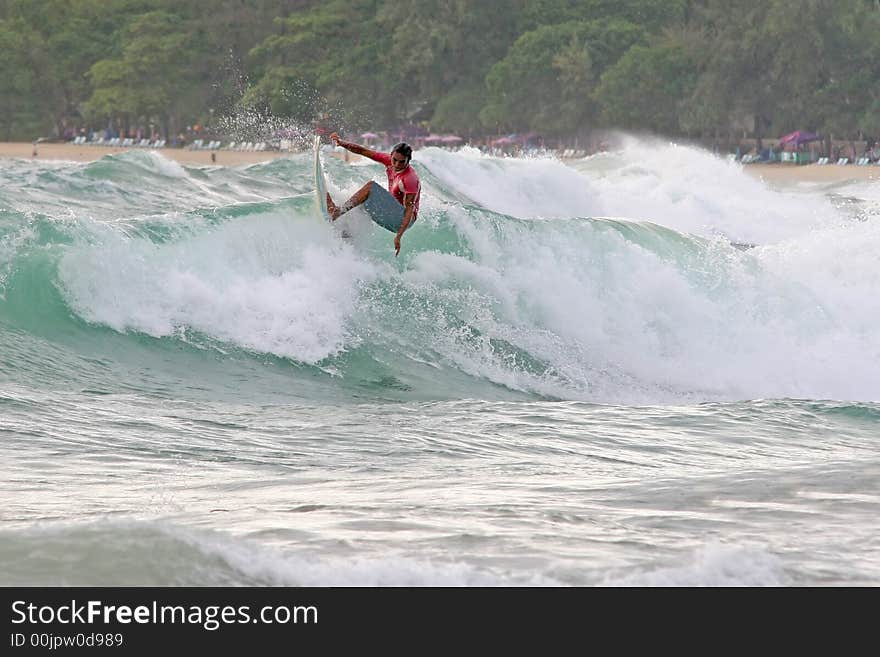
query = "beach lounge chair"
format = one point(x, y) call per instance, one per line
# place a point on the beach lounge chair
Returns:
point(843, 160)
point(822, 161)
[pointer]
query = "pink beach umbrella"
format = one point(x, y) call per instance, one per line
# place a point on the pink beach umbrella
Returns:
point(369, 135)
point(451, 139)
point(798, 137)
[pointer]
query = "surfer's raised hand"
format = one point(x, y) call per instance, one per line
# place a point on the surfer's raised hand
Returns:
point(335, 139)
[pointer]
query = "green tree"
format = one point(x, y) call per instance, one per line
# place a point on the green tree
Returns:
point(459, 109)
point(652, 15)
point(738, 66)
point(848, 100)
point(145, 81)
point(547, 78)
point(729, 88)
point(321, 59)
point(72, 35)
point(221, 35)
point(438, 66)
point(19, 114)
point(644, 89)
point(771, 66)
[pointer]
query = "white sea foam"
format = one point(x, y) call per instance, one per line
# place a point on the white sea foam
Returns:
point(529, 188)
point(611, 311)
point(692, 190)
point(622, 322)
point(162, 553)
point(275, 567)
point(259, 284)
point(155, 163)
point(715, 565)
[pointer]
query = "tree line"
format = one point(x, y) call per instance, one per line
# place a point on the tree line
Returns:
point(698, 69)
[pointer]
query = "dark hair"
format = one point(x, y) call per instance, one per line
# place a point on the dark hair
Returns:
point(404, 149)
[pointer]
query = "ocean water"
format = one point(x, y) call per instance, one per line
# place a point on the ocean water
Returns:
point(641, 368)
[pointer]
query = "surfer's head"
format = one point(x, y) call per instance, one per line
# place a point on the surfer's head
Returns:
point(401, 154)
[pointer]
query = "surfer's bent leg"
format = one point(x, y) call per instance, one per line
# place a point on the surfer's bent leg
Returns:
point(331, 208)
point(357, 198)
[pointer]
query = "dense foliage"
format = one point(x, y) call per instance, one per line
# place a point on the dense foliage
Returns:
point(692, 68)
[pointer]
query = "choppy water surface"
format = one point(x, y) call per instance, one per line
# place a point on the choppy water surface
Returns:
point(645, 367)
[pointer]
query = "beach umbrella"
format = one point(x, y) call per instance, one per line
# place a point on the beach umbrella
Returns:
point(451, 139)
point(369, 135)
point(433, 139)
point(798, 137)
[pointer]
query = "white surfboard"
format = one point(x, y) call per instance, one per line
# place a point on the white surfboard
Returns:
point(320, 183)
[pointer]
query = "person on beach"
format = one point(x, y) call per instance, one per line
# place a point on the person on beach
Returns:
point(395, 209)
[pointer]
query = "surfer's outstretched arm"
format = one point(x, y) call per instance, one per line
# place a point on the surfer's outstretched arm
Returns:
point(357, 149)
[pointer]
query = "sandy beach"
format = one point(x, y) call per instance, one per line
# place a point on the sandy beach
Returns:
point(793, 173)
point(771, 173)
point(84, 153)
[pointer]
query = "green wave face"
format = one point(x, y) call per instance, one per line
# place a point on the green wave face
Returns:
point(136, 274)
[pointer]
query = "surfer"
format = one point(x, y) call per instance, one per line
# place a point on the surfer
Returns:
point(398, 205)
